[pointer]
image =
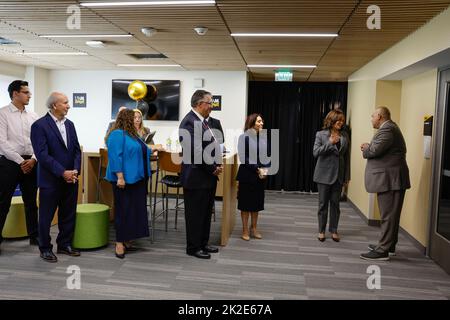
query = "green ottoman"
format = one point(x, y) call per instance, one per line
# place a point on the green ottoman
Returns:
point(15, 224)
point(91, 226)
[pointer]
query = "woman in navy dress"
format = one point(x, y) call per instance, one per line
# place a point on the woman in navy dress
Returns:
point(251, 175)
point(128, 171)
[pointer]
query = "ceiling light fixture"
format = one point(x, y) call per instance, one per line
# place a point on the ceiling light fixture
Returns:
point(147, 65)
point(201, 31)
point(147, 3)
point(293, 66)
point(52, 53)
point(307, 35)
point(148, 31)
point(85, 35)
point(95, 44)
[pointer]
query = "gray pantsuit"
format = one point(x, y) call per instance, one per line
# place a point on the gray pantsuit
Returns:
point(331, 172)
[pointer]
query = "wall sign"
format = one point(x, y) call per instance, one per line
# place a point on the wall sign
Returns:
point(217, 103)
point(79, 100)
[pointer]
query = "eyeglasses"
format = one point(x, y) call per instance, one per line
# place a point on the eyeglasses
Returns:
point(25, 92)
point(208, 102)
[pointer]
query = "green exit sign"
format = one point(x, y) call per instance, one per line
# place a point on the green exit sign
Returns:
point(283, 76)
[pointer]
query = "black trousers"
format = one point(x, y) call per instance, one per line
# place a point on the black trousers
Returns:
point(197, 209)
point(329, 194)
point(12, 175)
point(64, 197)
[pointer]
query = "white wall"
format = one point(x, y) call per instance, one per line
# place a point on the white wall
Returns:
point(4, 95)
point(38, 83)
point(91, 122)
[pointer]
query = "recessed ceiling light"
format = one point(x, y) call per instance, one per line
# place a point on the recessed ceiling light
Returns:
point(147, 3)
point(293, 66)
point(95, 44)
point(147, 65)
point(85, 35)
point(53, 53)
point(311, 35)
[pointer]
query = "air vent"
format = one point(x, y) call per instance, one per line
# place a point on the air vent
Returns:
point(7, 41)
point(141, 56)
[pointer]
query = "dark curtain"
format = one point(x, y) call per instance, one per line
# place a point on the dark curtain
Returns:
point(297, 109)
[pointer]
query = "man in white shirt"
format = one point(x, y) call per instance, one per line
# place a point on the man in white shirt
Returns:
point(17, 160)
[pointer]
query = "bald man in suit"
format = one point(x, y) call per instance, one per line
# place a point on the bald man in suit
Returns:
point(387, 175)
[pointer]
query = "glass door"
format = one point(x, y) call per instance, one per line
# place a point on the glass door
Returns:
point(439, 245)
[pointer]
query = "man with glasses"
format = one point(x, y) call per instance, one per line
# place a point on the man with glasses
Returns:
point(199, 173)
point(17, 160)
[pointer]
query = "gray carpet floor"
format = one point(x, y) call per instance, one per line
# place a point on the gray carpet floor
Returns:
point(288, 263)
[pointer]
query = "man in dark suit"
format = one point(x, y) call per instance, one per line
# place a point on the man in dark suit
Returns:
point(387, 175)
point(56, 146)
point(200, 168)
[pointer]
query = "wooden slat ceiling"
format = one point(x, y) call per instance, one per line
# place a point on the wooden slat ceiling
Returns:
point(336, 58)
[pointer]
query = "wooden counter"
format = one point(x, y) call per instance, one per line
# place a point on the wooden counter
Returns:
point(226, 189)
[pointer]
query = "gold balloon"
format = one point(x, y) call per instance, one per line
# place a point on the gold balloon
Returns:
point(137, 90)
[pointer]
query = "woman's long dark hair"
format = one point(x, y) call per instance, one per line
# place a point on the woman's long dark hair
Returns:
point(124, 121)
point(251, 120)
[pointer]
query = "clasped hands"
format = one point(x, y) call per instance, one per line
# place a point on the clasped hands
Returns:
point(364, 146)
point(334, 138)
point(70, 176)
point(218, 170)
point(27, 165)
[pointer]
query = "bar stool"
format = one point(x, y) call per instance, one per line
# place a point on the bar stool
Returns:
point(168, 162)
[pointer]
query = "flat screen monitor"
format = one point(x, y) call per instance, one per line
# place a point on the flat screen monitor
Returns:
point(162, 101)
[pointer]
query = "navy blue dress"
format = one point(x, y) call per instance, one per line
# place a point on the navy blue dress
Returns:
point(251, 187)
point(131, 219)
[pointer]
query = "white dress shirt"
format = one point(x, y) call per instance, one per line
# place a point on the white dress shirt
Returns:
point(61, 127)
point(15, 129)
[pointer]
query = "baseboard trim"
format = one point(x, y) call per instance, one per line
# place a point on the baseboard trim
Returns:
point(370, 222)
point(413, 240)
point(376, 223)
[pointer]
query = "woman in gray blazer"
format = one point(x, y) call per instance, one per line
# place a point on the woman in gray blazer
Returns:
point(331, 148)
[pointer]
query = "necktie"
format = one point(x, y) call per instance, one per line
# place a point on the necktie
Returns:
point(206, 127)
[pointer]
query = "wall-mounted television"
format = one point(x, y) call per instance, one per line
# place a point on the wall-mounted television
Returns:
point(162, 101)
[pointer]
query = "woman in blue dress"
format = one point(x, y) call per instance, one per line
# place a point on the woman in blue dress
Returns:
point(128, 171)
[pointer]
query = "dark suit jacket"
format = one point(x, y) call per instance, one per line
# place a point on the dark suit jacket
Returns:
point(332, 164)
point(386, 167)
point(52, 154)
point(249, 145)
point(196, 175)
point(215, 124)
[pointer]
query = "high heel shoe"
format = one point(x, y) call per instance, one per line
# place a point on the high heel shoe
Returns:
point(335, 237)
point(321, 237)
point(245, 237)
point(119, 255)
point(130, 247)
point(255, 234)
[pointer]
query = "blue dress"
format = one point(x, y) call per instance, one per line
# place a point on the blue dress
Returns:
point(131, 218)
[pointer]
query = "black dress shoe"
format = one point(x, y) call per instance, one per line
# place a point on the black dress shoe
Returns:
point(373, 247)
point(210, 249)
point(49, 256)
point(34, 241)
point(200, 254)
point(69, 251)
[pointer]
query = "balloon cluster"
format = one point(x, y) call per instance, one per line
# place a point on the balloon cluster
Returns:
point(143, 95)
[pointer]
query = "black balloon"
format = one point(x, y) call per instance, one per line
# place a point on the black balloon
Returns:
point(142, 106)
